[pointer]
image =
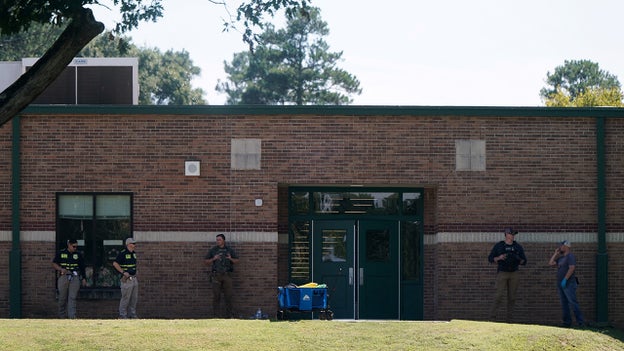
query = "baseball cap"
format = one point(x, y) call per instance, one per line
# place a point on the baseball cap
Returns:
point(566, 243)
point(510, 230)
point(130, 241)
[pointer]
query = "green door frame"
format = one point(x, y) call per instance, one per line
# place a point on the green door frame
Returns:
point(401, 205)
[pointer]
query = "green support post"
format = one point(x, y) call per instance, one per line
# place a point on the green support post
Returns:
point(15, 257)
point(602, 259)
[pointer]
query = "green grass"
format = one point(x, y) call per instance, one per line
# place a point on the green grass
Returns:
point(219, 334)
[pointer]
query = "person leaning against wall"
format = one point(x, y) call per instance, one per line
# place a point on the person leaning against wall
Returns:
point(126, 264)
point(508, 255)
point(222, 259)
point(70, 265)
point(567, 282)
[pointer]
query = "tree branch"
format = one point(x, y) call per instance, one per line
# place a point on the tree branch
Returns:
point(80, 31)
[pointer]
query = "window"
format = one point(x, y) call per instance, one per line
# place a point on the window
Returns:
point(300, 252)
point(470, 155)
point(100, 223)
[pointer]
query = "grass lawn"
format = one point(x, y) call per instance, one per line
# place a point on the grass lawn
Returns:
point(220, 334)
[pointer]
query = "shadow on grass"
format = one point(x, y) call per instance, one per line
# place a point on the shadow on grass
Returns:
point(610, 331)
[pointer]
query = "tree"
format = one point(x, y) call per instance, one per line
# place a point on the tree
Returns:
point(80, 27)
point(164, 78)
point(581, 83)
point(290, 66)
point(589, 98)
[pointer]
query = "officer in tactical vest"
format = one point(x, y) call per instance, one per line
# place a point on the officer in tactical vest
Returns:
point(70, 265)
point(126, 264)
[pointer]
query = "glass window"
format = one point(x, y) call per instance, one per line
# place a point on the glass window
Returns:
point(100, 223)
point(412, 203)
point(334, 245)
point(300, 202)
point(410, 250)
point(378, 245)
point(300, 252)
point(356, 203)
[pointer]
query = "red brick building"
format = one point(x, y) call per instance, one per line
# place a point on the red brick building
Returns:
point(395, 208)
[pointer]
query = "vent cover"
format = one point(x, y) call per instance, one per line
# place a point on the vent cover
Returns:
point(191, 168)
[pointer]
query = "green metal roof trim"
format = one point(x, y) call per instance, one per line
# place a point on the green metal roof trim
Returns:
point(351, 110)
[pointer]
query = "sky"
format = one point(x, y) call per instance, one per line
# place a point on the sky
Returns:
point(418, 53)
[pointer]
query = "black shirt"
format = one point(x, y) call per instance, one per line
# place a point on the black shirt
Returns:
point(515, 256)
point(127, 261)
point(71, 261)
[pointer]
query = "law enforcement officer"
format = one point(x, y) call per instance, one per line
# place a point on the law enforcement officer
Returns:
point(508, 255)
point(126, 264)
point(70, 265)
point(222, 258)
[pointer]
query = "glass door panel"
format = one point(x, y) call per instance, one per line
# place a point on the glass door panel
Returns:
point(333, 264)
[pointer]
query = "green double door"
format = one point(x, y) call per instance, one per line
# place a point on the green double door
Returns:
point(359, 261)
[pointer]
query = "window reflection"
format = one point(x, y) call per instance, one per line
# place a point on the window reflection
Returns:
point(300, 251)
point(334, 245)
point(411, 203)
point(356, 203)
point(100, 222)
point(300, 202)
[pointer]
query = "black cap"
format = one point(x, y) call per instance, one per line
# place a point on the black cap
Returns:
point(510, 230)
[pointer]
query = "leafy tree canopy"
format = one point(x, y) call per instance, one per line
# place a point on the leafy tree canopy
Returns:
point(290, 66)
point(164, 78)
point(591, 97)
point(581, 83)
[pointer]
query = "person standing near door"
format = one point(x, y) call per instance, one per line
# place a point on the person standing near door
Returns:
point(565, 261)
point(126, 264)
point(222, 258)
point(508, 255)
point(70, 265)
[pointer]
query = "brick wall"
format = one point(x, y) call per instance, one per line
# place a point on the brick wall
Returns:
point(541, 177)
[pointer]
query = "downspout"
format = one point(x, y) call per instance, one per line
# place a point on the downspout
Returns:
point(602, 286)
point(15, 257)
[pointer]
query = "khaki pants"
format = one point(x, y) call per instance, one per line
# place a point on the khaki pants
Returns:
point(68, 292)
point(129, 297)
point(222, 283)
point(506, 287)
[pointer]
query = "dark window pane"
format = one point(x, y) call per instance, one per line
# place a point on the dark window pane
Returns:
point(410, 247)
point(378, 245)
point(412, 203)
point(300, 202)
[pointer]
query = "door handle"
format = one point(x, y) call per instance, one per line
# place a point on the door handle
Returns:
point(350, 275)
point(361, 276)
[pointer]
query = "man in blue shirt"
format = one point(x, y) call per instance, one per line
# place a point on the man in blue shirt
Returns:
point(565, 261)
